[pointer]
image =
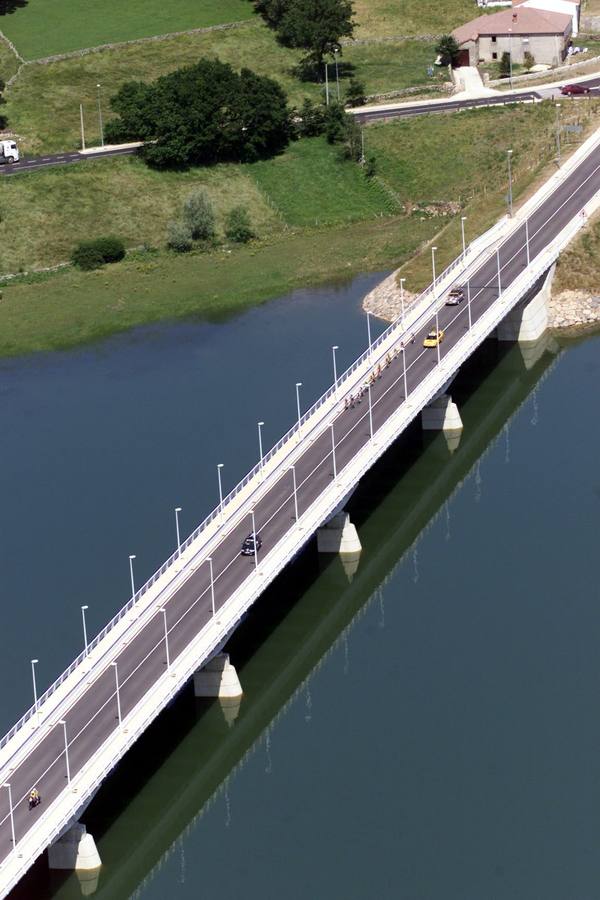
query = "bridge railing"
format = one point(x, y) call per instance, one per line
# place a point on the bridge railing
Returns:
point(398, 323)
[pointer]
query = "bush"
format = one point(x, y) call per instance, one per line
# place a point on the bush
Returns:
point(179, 236)
point(505, 65)
point(528, 60)
point(356, 94)
point(310, 120)
point(93, 254)
point(86, 256)
point(238, 227)
point(199, 216)
point(112, 249)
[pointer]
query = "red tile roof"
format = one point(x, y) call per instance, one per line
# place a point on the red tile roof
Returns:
point(524, 21)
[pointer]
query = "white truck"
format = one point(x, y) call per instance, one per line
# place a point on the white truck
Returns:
point(9, 152)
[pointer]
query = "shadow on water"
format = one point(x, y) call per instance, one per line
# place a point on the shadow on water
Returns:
point(185, 760)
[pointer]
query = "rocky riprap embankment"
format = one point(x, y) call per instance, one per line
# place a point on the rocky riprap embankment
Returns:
point(569, 310)
point(574, 310)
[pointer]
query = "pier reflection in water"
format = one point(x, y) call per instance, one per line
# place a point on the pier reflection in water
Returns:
point(407, 732)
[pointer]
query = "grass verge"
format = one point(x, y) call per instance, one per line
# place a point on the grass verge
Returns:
point(44, 28)
point(384, 18)
point(578, 268)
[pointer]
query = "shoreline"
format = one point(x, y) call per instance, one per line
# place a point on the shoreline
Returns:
point(570, 313)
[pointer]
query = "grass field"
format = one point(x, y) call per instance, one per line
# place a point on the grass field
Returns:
point(55, 207)
point(388, 18)
point(46, 27)
point(309, 186)
point(43, 105)
point(74, 307)
point(579, 266)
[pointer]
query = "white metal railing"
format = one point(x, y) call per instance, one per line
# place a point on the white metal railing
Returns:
point(416, 324)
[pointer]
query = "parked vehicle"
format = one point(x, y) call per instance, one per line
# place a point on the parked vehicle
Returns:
point(9, 152)
point(455, 296)
point(569, 90)
point(434, 338)
point(252, 544)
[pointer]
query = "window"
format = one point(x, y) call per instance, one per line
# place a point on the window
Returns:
point(493, 39)
point(494, 56)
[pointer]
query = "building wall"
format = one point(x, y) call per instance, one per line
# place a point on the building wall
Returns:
point(549, 49)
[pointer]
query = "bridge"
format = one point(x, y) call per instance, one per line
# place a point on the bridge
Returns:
point(78, 730)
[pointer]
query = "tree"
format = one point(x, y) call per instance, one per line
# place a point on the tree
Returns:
point(336, 123)
point(199, 216)
point(94, 253)
point(237, 226)
point(271, 10)
point(179, 236)
point(505, 66)
point(202, 114)
point(356, 93)
point(528, 60)
point(448, 49)
point(316, 26)
point(310, 120)
point(9, 6)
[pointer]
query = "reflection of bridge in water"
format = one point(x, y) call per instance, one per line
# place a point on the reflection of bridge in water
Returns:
point(200, 772)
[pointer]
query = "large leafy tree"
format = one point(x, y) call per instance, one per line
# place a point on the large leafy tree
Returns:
point(316, 26)
point(202, 114)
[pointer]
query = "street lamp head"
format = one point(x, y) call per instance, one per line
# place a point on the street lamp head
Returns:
point(463, 218)
point(509, 152)
point(220, 465)
point(335, 347)
point(261, 423)
point(34, 661)
point(402, 280)
point(178, 508)
point(298, 384)
point(132, 556)
point(85, 607)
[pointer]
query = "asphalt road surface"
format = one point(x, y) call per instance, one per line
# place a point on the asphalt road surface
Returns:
point(26, 164)
point(403, 111)
point(94, 716)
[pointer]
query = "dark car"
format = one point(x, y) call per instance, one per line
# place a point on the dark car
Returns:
point(456, 296)
point(248, 547)
point(569, 89)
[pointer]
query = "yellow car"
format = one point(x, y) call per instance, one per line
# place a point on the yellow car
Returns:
point(434, 338)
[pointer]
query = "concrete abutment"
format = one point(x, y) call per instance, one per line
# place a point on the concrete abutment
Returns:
point(219, 679)
point(528, 321)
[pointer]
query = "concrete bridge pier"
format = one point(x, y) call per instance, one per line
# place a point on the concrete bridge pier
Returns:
point(76, 850)
point(528, 321)
point(442, 415)
point(218, 678)
point(339, 535)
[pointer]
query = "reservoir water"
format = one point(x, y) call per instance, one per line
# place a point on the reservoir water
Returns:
point(425, 728)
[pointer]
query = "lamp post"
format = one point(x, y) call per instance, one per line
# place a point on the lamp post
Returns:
point(463, 219)
point(219, 467)
point(527, 238)
point(437, 320)
point(164, 612)
point(370, 412)
point(85, 640)
point(118, 694)
point(177, 511)
point(131, 559)
point(369, 331)
point(260, 446)
point(326, 84)
point(337, 77)
point(469, 301)
point(433, 249)
point(510, 196)
point(100, 118)
point(298, 386)
point(333, 351)
point(64, 725)
point(558, 134)
point(212, 584)
point(510, 77)
point(405, 381)
point(333, 451)
point(34, 662)
point(402, 280)
point(81, 125)
point(12, 817)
